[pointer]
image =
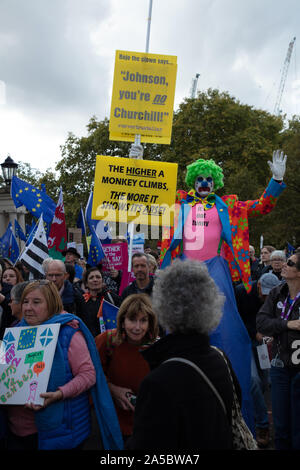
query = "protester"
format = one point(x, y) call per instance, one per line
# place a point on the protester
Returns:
point(72, 257)
point(120, 354)
point(254, 263)
point(152, 264)
point(248, 306)
point(143, 282)
point(63, 422)
point(176, 409)
point(89, 305)
point(279, 318)
point(55, 271)
point(264, 264)
point(15, 301)
point(10, 277)
point(277, 260)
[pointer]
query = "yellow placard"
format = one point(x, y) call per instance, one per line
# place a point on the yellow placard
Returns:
point(128, 189)
point(143, 97)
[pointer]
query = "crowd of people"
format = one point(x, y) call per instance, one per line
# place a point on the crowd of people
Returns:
point(152, 402)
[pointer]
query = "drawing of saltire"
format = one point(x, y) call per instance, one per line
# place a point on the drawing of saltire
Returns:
point(46, 337)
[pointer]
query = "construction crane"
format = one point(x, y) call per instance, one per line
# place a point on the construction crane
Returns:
point(194, 85)
point(283, 77)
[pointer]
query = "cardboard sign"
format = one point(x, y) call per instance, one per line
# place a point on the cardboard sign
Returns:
point(143, 97)
point(26, 362)
point(128, 189)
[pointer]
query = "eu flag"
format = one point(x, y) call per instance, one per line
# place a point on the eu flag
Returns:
point(290, 250)
point(109, 314)
point(36, 201)
point(5, 241)
point(96, 253)
point(14, 251)
point(19, 232)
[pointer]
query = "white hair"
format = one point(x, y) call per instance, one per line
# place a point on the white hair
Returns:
point(186, 299)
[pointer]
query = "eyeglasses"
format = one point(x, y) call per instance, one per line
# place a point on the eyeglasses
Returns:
point(290, 263)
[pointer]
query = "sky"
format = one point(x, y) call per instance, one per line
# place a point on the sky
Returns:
point(57, 60)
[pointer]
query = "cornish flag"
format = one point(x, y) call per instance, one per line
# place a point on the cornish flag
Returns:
point(36, 252)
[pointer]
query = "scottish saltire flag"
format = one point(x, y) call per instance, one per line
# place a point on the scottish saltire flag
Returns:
point(37, 202)
point(109, 313)
point(5, 241)
point(96, 253)
point(19, 232)
point(290, 250)
point(101, 226)
point(36, 252)
point(81, 222)
point(57, 239)
point(14, 251)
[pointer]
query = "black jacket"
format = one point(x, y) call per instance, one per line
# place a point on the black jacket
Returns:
point(88, 311)
point(134, 289)
point(176, 409)
point(248, 305)
point(269, 322)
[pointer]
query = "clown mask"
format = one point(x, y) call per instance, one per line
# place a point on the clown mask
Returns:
point(204, 185)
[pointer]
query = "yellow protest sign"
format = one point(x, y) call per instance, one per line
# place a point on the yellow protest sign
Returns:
point(143, 97)
point(128, 189)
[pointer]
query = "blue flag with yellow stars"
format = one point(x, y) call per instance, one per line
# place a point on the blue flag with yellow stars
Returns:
point(96, 253)
point(5, 241)
point(19, 232)
point(14, 251)
point(35, 200)
point(109, 314)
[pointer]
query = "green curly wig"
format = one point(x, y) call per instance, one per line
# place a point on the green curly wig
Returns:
point(205, 168)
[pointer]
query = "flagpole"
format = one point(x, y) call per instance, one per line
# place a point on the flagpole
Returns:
point(149, 26)
point(137, 137)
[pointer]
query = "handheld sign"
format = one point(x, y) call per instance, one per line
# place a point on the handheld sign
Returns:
point(143, 97)
point(127, 188)
point(26, 361)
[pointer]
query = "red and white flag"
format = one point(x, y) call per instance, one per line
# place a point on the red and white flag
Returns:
point(57, 239)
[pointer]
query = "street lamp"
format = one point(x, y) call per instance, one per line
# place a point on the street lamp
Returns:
point(9, 168)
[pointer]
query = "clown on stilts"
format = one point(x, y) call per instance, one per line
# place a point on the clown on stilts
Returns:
point(214, 230)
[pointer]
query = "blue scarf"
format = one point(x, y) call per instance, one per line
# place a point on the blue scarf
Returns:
point(104, 406)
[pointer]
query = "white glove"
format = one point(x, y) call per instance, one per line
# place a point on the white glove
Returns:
point(278, 165)
point(136, 151)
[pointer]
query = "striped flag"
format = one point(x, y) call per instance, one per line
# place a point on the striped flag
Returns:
point(36, 252)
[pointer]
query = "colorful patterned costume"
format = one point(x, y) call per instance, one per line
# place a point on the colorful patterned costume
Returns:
point(235, 234)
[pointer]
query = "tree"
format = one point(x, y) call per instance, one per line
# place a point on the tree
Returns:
point(77, 166)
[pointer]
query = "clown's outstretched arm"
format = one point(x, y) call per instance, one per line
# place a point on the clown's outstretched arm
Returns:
point(275, 187)
point(278, 165)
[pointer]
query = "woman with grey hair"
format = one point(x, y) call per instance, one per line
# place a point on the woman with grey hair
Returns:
point(176, 409)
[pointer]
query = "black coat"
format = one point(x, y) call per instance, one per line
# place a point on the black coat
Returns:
point(269, 322)
point(134, 289)
point(176, 409)
point(88, 311)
